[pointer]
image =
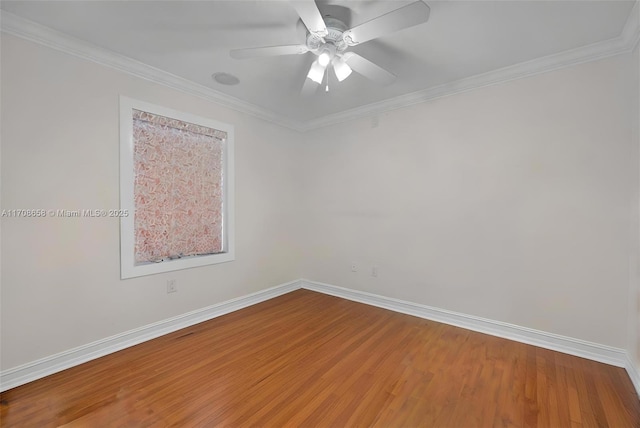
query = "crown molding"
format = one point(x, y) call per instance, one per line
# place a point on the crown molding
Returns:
point(624, 43)
point(631, 31)
point(34, 32)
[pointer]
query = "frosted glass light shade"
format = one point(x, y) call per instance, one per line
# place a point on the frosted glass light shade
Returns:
point(324, 58)
point(316, 72)
point(342, 70)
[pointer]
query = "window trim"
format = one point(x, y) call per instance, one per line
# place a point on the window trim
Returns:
point(128, 267)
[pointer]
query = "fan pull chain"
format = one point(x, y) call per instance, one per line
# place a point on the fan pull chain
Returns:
point(326, 89)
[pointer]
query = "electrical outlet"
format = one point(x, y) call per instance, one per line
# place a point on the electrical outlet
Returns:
point(354, 267)
point(172, 286)
point(374, 271)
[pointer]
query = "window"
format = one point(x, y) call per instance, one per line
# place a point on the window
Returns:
point(176, 183)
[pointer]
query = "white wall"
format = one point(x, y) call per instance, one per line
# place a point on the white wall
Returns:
point(634, 291)
point(60, 148)
point(510, 202)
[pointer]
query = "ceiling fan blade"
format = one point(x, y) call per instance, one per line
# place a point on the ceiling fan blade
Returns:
point(310, 15)
point(268, 51)
point(405, 17)
point(368, 69)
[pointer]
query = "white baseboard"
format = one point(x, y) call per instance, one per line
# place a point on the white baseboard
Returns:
point(555, 342)
point(49, 365)
point(52, 364)
point(568, 345)
point(632, 370)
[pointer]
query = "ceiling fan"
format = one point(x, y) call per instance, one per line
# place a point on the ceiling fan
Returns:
point(329, 39)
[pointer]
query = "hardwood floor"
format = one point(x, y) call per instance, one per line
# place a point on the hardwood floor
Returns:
point(307, 359)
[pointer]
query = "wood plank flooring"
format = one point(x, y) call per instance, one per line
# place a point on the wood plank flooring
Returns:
point(307, 359)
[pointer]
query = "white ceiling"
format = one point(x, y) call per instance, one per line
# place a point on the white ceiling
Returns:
point(462, 39)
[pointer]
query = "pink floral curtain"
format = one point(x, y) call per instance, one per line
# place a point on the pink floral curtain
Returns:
point(178, 189)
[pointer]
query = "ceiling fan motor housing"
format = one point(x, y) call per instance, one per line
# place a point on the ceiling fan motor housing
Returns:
point(334, 38)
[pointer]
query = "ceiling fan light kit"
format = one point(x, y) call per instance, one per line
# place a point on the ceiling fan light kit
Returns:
point(326, 54)
point(316, 72)
point(328, 38)
point(341, 69)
